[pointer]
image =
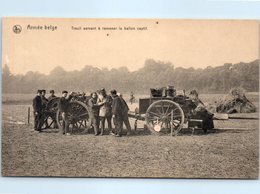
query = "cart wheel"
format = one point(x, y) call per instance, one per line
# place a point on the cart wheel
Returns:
point(50, 114)
point(49, 122)
point(78, 116)
point(163, 115)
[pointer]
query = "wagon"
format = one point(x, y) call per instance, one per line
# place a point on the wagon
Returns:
point(164, 111)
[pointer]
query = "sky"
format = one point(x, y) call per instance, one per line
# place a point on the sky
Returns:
point(185, 43)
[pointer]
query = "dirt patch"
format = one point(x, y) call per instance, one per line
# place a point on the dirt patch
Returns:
point(231, 153)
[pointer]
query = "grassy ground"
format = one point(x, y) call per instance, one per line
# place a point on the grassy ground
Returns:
point(223, 153)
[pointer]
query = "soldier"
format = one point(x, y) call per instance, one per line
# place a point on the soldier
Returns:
point(132, 98)
point(37, 111)
point(44, 99)
point(105, 110)
point(200, 112)
point(125, 118)
point(44, 104)
point(94, 112)
point(63, 108)
point(52, 95)
point(116, 111)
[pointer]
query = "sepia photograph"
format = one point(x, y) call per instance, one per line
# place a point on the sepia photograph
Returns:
point(130, 98)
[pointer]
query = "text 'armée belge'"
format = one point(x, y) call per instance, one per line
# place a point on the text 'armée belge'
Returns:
point(42, 27)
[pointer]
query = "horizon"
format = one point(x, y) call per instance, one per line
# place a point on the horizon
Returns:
point(101, 68)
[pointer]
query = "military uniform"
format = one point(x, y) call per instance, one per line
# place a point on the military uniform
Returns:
point(117, 111)
point(51, 97)
point(44, 102)
point(105, 111)
point(125, 118)
point(38, 112)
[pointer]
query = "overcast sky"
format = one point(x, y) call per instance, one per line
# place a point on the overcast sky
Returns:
point(185, 43)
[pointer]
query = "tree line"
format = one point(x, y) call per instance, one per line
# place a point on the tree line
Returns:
point(152, 75)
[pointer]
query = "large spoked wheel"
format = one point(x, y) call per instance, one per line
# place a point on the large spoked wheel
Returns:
point(164, 116)
point(50, 114)
point(78, 117)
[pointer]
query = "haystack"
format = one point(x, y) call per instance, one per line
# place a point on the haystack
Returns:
point(236, 102)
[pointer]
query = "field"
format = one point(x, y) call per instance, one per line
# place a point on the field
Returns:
point(229, 151)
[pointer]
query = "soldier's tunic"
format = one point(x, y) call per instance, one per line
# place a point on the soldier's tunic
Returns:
point(37, 111)
point(125, 115)
point(119, 110)
point(44, 101)
point(105, 111)
point(51, 97)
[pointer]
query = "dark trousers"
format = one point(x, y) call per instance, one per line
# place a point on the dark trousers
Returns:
point(102, 120)
point(95, 122)
point(126, 122)
point(65, 122)
point(38, 121)
point(118, 122)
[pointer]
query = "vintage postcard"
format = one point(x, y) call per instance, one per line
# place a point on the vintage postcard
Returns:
point(145, 98)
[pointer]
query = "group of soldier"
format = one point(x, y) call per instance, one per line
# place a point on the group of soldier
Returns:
point(103, 108)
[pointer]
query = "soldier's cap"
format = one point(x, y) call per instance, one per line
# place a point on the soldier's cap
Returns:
point(51, 91)
point(43, 91)
point(113, 92)
point(102, 89)
point(39, 91)
point(64, 91)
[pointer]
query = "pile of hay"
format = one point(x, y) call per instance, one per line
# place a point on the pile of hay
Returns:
point(236, 102)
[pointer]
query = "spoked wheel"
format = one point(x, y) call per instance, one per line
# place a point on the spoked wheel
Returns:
point(78, 117)
point(164, 116)
point(50, 114)
point(49, 121)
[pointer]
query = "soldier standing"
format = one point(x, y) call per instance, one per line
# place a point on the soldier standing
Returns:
point(63, 108)
point(125, 118)
point(105, 110)
point(132, 98)
point(44, 99)
point(94, 112)
point(37, 111)
point(117, 107)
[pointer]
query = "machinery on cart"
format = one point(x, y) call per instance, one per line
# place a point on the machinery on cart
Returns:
point(164, 111)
